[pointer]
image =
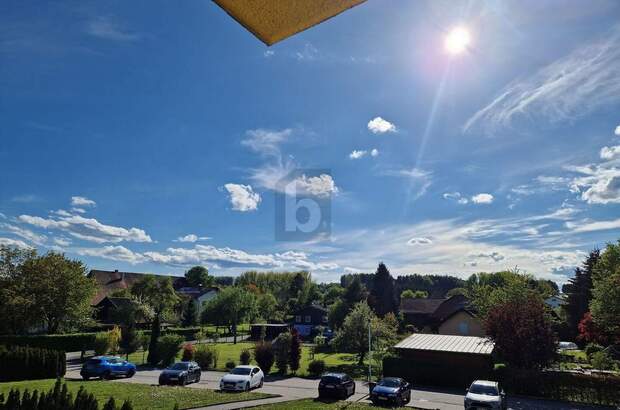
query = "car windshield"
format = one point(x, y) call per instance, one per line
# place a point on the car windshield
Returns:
point(330, 379)
point(179, 366)
point(241, 370)
point(389, 383)
point(483, 389)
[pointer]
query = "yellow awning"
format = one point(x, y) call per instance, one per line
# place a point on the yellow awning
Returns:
point(275, 20)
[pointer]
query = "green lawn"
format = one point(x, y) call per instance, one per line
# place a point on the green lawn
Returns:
point(142, 396)
point(312, 404)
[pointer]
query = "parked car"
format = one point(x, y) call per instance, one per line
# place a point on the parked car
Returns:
point(180, 373)
point(485, 394)
point(242, 378)
point(338, 385)
point(391, 390)
point(107, 367)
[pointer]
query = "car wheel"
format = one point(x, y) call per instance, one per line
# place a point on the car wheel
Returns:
point(198, 379)
point(182, 381)
point(353, 391)
point(261, 382)
point(247, 386)
point(85, 377)
point(409, 397)
point(131, 373)
point(399, 402)
point(107, 375)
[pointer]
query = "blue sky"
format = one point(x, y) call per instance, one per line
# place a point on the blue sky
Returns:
point(156, 138)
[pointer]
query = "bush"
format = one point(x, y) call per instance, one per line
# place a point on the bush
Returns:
point(592, 348)
point(189, 352)
point(204, 356)
point(101, 344)
point(244, 357)
point(264, 356)
point(28, 363)
point(114, 339)
point(316, 368)
point(281, 349)
point(602, 361)
point(75, 342)
point(230, 364)
point(168, 347)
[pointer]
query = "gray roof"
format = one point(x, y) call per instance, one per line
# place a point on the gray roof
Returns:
point(447, 343)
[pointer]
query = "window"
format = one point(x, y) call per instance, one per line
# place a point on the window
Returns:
point(298, 318)
point(308, 319)
point(464, 328)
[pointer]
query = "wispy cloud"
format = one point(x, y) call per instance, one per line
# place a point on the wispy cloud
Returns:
point(569, 88)
point(191, 238)
point(82, 201)
point(107, 29)
point(592, 226)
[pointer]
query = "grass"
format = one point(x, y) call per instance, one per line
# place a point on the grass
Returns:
point(312, 404)
point(142, 396)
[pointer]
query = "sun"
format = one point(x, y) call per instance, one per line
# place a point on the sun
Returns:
point(457, 40)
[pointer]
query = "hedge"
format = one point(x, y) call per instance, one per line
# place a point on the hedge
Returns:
point(603, 389)
point(74, 342)
point(29, 363)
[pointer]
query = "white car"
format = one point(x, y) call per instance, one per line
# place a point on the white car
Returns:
point(242, 378)
point(484, 394)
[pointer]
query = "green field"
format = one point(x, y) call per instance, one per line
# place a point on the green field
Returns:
point(142, 396)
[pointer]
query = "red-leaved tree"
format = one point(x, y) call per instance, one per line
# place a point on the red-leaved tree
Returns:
point(522, 332)
point(589, 332)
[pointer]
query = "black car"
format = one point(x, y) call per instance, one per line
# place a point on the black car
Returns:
point(180, 373)
point(337, 385)
point(392, 391)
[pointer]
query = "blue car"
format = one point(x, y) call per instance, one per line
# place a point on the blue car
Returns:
point(393, 391)
point(107, 367)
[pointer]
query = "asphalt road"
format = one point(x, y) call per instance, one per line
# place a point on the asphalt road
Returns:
point(292, 388)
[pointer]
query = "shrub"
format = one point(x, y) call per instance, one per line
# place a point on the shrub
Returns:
point(230, 364)
point(264, 356)
point(281, 349)
point(602, 361)
point(189, 352)
point(592, 348)
point(316, 368)
point(203, 355)
point(101, 344)
point(114, 339)
point(295, 351)
point(168, 347)
point(28, 363)
point(74, 342)
point(244, 357)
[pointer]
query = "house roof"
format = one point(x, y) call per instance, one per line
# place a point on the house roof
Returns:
point(194, 292)
point(117, 302)
point(450, 306)
point(421, 305)
point(272, 21)
point(109, 282)
point(447, 343)
point(311, 307)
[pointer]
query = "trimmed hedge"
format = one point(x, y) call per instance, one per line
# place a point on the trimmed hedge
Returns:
point(74, 342)
point(29, 363)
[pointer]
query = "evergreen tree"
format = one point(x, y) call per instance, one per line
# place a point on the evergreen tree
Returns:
point(153, 357)
point(383, 297)
point(129, 342)
point(579, 293)
point(190, 314)
point(110, 404)
point(295, 351)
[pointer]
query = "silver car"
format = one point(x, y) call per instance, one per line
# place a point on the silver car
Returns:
point(485, 394)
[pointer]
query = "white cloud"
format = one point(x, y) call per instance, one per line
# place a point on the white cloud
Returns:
point(617, 131)
point(496, 256)
point(62, 241)
point(191, 238)
point(309, 53)
point(242, 197)
point(27, 234)
point(269, 53)
point(380, 126)
point(3, 216)
point(105, 28)
point(266, 142)
point(355, 154)
point(88, 229)
point(455, 196)
point(599, 184)
point(374, 152)
point(82, 201)
point(61, 212)
point(565, 90)
point(321, 186)
point(13, 242)
point(115, 253)
point(482, 198)
point(419, 241)
point(610, 153)
point(78, 210)
point(592, 226)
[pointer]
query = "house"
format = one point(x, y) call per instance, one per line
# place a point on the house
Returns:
point(272, 330)
point(555, 302)
point(108, 309)
point(198, 295)
point(306, 320)
point(449, 360)
point(445, 316)
point(109, 282)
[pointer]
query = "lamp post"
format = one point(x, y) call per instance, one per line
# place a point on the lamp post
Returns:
point(369, 352)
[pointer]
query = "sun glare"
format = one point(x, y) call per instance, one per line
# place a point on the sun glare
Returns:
point(457, 40)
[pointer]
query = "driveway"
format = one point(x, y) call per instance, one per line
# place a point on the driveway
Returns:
point(293, 388)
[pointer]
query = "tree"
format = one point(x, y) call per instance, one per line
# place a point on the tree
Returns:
point(281, 350)
point(268, 308)
point(264, 356)
point(579, 293)
point(354, 293)
point(199, 276)
point(190, 314)
point(231, 306)
point(383, 297)
point(521, 331)
point(49, 290)
point(605, 303)
point(353, 335)
point(295, 351)
point(129, 342)
point(160, 295)
point(410, 294)
point(590, 332)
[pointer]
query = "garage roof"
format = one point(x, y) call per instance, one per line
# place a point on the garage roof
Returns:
point(447, 343)
point(275, 20)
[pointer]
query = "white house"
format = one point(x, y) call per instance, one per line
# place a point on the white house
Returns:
point(555, 301)
point(199, 295)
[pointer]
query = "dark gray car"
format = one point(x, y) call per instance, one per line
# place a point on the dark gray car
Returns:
point(180, 373)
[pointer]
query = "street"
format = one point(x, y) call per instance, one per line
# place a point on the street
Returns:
point(292, 388)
